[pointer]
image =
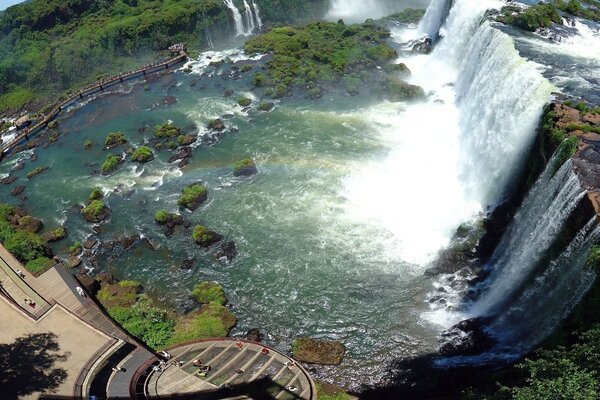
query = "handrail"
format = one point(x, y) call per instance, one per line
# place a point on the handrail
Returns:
point(86, 90)
point(87, 367)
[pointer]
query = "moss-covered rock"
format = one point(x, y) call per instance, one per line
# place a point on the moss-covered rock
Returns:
point(88, 144)
point(96, 211)
point(167, 130)
point(212, 320)
point(52, 124)
point(121, 294)
point(76, 248)
point(397, 90)
point(28, 223)
point(245, 167)
point(186, 140)
point(244, 101)
point(209, 292)
point(265, 106)
point(115, 139)
point(193, 196)
point(40, 265)
point(205, 237)
point(314, 351)
point(216, 125)
point(110, 164)
point(36, 171)
point(96, 194)
point(142, 154)
point(55, 234)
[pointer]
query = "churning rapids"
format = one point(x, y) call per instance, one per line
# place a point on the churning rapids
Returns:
point(353, 201)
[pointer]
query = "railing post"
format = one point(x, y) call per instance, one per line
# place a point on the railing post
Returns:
point(101, 88)
point(167, 66)
point(80, 96)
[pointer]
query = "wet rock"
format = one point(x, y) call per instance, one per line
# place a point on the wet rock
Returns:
point(182, 152)
point(73, 261)
point(36, 172)
point(128, 241)
point(106, 278)
point(316, 351)
point(205, 237)
point(216, 125)
point(183, 163)
point(108, 246)
point(254, 335)
point(468, 337)
point(8, 180)
point(169, 100)
point(16, 191)
point(228, 93)
point(55, 235)
point(186, 140)
point(148, 244)
point(33, 157)
point(88, 244)
point(245, 167)
point(19, 166)
point(187, 265)
point(227, 252)
point(28, 223)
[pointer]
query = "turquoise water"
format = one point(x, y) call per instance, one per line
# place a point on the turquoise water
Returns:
point(306, 265)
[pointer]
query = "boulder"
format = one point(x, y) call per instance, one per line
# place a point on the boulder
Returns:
point(468, 337)
point(205, 237)
point(28, 223)
point(73, 261)
point(88, 244)
point(8, 180)
point(254, 335)
point(55, 235)
point(16, 191)
point(227, 252)
point(19, 166)
point(186, 265)
point(228, 93)
point(216, 125)
point(316, 351)
point(89, 283)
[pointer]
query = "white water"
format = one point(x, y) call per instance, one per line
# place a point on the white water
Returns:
point(434, 18)
point(356, 10)
point(249, 18)
point(237, 18)
point(257, 15)
point(443, 164)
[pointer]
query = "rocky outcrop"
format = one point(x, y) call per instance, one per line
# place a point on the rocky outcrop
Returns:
point(254, 335)
point(468, 337)
point(315, 351)
point(227, 252)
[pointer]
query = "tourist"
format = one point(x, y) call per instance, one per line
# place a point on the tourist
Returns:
point(197, 362)
point(265, 351)
point(292, 388)
point(239, 371)
point(81, 292)
point(165, 355)
point(20, 273)
point(291, 364)
point(118, 369)
point(239, 344)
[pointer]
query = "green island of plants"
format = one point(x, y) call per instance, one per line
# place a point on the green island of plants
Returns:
point(325, 54)
point(166, 130)
point(96, 211)
point(544, 15)
point(115, 139)
point(204, 237)
point(110, 164)
point(193, 195)
point(96, 194)
point(209, 293)
point(142, 154)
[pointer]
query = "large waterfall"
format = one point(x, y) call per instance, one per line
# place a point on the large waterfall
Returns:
point(245, 25)
point(434, 18)
point(466, 142)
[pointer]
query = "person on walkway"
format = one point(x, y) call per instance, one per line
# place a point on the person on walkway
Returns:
point(239, 344)
point(118, 369)
point(264, 351)
point(20, 273)
point(197, 363)
point(81, 292)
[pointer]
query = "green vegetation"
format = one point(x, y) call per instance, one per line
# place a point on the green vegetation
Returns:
point(40, 265)
point(96, 211)
point(149, 324)
point(582, 127)
point(36, 171)
point(26, 246)
point(193, 195)
point(52, 125)
point(593, 260)
point(565, 151)
point(110, 164)
point(244, 101)
point(161, 217)
point(265, 106)
point(75, 248)
point(320, 54)
point(213, 320)
point(142, 154)
point(115, 139)
point(245, 163)
point(166, 130)
point(96, 194)
point(88, 144)
point(543, 15)
point(209, 292)
point(406, 16)
point(330, 392)
point(201, 234)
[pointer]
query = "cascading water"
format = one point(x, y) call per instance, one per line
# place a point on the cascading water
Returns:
point(257, 15)
point(434, 18)
point(466, 133)
point(249, 18)
point(237, 17)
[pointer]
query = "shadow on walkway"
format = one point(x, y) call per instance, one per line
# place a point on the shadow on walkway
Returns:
point(28, 365)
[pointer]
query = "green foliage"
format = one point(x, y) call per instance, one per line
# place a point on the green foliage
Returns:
point(213, 320)
point(265, 106)
point(75, 248)
point(319, 51)
point(39, 265)
point(565, 151)
point(26, 246)
point(192, 194)
point(59, 232)
point(166, 130)
point(209, 292)
point(16, 97)
point(150, 324)
point(406, 16)
point(111, 163)
point(326, 393)
point(242, 164)
point(582, 127)
point(35, 172)
point(88, 144)
point(244, 101)
point(142, 154)
point(161, 217)
point(94, 210)
point(593, 260)
point(540, 15)
point(115, 139)
point(201, 234)
point(96, 194)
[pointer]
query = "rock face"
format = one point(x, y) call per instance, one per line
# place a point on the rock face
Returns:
point(466, 338)
point(227, 252)
point(254, 335)
point(17, 191)
point(245, 167)
point(205, 237)
point(28, 223)
point(216, 125)
point(315, 351)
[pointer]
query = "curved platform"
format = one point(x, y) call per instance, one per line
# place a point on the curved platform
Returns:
point(238, 370)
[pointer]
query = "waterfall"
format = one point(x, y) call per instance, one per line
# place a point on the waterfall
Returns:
point(257, 14)
point(434, 18)
point(237, 17)
point(355, 10)
point(208, 37)
point(249, 18)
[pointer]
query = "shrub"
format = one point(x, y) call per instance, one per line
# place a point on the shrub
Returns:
point(201, 234)
point(96, 211)
point(39, 265)
point(26, 246)
point(111, 163)
point(192, 196)
point(246, 67)
point(593, 260)
point(166, 130)
point(142, 154)
point(213, 320)
point(209, 292)
point(96, 194)
point(161, 217)
point(88, 144)
point(244, 101)
point(115, 139)
point(75, 248)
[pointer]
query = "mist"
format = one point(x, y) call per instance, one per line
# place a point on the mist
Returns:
point(359, 10)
